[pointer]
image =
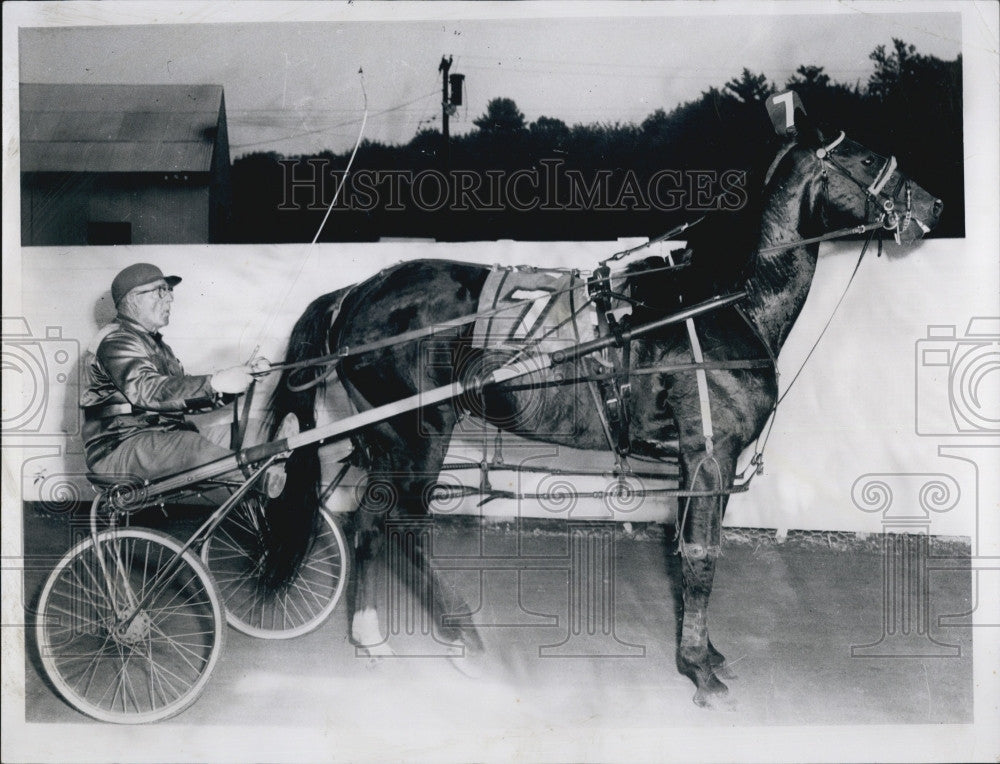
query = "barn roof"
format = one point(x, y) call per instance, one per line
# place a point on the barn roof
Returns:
point(118, 128)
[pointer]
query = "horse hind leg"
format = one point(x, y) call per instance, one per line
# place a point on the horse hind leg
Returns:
point(365, 633)
point(391, 547)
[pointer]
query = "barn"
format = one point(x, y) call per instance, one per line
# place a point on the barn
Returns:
point(124, 164)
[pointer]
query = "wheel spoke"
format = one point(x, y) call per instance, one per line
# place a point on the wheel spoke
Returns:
point(179, 650)
point(117, 663)
point(94, 664)
point(236, 556)
point(98, 586)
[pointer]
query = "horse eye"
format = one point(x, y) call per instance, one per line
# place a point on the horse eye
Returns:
point(868, 162)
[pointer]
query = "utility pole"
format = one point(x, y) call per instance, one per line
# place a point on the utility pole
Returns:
point(444, 67)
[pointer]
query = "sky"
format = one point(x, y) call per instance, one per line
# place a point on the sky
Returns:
point(294, 87)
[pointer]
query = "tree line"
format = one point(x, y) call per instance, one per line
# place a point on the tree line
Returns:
point(547, 180)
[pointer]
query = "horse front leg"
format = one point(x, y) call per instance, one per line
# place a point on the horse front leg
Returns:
point(699, 545)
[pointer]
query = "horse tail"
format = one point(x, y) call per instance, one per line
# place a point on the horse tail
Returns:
point(294, 515)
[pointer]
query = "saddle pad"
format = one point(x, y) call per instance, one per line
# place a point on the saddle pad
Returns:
point(535, 310)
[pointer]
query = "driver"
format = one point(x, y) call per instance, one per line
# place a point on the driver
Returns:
point(137, 394)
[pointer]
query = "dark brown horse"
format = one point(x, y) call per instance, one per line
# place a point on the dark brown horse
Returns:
point(815, 184)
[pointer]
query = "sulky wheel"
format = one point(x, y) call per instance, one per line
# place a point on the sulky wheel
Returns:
point(128, 631)
point(236, 555)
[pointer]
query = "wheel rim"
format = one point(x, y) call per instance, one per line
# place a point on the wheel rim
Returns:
point(122, 663)
point(235, 556)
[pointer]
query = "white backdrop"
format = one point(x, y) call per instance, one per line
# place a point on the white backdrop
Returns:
point(852, 413)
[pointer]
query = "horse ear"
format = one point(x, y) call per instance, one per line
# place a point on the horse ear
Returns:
point(806, 131)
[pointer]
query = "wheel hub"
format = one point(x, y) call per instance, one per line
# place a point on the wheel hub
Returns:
point(135, 631)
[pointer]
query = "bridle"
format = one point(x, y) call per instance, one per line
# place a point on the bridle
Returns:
point(875, 191)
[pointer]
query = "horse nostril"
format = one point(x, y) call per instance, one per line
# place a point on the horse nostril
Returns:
point(937, 206)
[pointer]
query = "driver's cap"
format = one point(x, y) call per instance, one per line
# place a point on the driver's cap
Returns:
point(138, 275)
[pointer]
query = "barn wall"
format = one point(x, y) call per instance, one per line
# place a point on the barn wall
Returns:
point(850, 423)
point(175, 213)
point(55, 208)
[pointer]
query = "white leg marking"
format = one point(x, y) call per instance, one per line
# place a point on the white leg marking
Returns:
point(365, 633)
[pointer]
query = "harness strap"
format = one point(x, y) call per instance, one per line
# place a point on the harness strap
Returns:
point(883, 177)
point(239, 430)
point(460, 491)
point(761, 443)
point(592, 384)
point(702, 380)
point(664, 368)
point(625, 393)
point(614, 403)
point(602, 414)
point(614, 412)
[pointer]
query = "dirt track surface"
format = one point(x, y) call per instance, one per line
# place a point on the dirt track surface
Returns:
point(580, 628)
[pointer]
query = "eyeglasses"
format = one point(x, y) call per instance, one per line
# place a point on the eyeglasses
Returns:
point(161, 291)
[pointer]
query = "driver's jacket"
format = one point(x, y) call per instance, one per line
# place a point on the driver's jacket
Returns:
point(134, 384)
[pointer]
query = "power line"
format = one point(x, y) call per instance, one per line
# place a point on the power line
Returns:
point(700, 75)
point(331, 127)
point(604, 65)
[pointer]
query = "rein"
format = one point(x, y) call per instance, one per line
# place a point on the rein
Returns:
point(348, 351)
point(888, 220)
point(838, 234)
point(333, 202)
point(455, 323)
point(757, 461)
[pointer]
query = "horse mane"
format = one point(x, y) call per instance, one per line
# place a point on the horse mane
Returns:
point(720, 254)
point(724, 245)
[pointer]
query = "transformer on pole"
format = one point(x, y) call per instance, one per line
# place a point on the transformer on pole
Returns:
point(449, 100)
point(457, 81)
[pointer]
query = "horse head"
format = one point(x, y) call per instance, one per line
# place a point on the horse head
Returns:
point(859, 186)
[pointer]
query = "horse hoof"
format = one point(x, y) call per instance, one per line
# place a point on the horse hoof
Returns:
point(714, 701)
point(468, 666)
point(467, 653)
point(723, 671)
point(375, 653)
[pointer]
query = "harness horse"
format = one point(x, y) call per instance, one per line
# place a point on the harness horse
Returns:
point(698, 388)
